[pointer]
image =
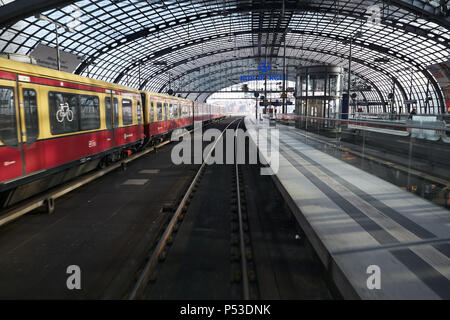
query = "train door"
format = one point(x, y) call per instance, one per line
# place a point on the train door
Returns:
point(144, 107)
point(116, 124)
point(171, 118)
point(152, 127)
point(111, 116)
point(180, 114)
point(11, 150)
point(147, 106)
point(166, 117)
point(33, 150)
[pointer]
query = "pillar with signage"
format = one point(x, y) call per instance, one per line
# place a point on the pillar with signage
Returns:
point(345, 108)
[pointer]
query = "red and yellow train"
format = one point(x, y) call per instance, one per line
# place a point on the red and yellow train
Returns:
point(60, 124)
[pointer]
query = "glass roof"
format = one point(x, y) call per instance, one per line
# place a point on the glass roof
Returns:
point(205, 46)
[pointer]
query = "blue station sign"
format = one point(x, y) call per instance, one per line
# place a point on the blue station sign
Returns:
point(264, 68)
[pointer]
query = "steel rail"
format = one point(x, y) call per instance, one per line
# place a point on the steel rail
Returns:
point(151, 263)
point(244, 269)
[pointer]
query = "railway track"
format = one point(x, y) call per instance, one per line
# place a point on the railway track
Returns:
point(161, 250)
point(106, 227)
point(259, 256)
point(247, 274)
point(216, 232)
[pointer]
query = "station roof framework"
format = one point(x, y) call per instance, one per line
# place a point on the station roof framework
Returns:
point(206, 45)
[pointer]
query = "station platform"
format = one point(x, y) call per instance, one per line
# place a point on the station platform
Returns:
point(355, 220)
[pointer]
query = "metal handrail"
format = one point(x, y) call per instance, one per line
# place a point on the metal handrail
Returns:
point(364, 121)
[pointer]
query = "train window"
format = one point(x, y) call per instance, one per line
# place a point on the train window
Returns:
point(139, 116)
point(166, 112)
point(152, 112)
point(108, 113)
point(116, 112)
point(89, 112)
point(63, 112)
point(174, 111)
point(127, 112)
point(8, 125)
point(31, 114)
point(159, 112)
point(180, 113)
point(170, 112)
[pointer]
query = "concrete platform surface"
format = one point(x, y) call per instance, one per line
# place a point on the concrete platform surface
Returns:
point(360, 224)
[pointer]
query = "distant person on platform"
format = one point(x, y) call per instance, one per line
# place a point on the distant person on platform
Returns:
point(412, 113)
point(358, 114)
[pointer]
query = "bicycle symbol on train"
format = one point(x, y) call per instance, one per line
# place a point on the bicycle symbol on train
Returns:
point(64, 112)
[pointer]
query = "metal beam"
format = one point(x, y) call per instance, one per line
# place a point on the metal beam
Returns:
point(211, 91)
point(400, 87)
point(188, 19)
point(213, 80)
point(332, 53)
point(437, 90)
point(228, 69)
point(362, 77)
point(160, 53)
point(424, 10)
point(22, 9)
point(380, 49)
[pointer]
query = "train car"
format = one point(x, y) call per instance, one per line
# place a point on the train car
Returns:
point(202, 112)
point(164, 113)
point(55, 126)
point(51, 121)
